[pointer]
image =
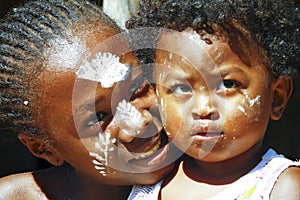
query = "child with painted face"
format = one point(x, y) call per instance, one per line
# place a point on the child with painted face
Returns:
point(65, 71)
point(222, 70)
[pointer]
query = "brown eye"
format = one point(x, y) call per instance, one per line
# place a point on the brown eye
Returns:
point(228, 84)
point(96, 119)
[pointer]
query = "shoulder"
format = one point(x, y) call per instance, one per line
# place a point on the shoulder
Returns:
point(20, 186)
point(287, 185)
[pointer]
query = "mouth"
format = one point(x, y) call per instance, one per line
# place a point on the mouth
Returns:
point(149, 152)
point(154, 156)
point(212, 135)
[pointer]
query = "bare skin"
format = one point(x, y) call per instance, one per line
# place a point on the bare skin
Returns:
point(217, 113)
point(70, 133)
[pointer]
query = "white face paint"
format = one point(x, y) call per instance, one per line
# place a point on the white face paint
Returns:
point(131, 122)
point(129, 119)
point(161, 108)
point(64, 54)
point(254, 101)
point(242, 109)
point(104, 68)
point(249, 104)
point(104, 146)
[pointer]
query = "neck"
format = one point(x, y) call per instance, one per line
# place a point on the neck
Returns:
point(222, 172)
point(82, 187)
point(64, 182)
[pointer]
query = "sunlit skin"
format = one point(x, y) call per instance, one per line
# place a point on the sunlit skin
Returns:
point(208, 95)
point(215, 107)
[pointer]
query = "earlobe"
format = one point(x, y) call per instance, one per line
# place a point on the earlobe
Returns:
point(282, 89)
point(37, 146)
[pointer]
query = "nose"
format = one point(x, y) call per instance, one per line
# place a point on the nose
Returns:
point(143, 101)
point(204, 108)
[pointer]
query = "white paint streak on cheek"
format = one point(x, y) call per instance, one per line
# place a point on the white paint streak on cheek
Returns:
point(128, 118)
point(161, 107)
point(63, 54)
point(103, 146)
point(162, 111)
point(104, 68)
point(242, 109)
point(254, 102)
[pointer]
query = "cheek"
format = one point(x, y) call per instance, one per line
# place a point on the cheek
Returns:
point(248, 110)
point(103, 153)
point(171, 115)
point(251, 107)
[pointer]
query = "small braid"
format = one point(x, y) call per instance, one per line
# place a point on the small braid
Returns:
point(23, 34)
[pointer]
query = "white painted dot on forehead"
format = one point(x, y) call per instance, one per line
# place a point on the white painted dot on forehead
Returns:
point(64, 54)
point(104, 68)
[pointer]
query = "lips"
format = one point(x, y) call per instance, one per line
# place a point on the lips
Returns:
point(206, 128)
point(155, 156)
point(208, 134)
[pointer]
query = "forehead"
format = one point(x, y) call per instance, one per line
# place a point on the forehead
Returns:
point(65, 54)
point(208, 50)
point(187, 49)
point(84, 39)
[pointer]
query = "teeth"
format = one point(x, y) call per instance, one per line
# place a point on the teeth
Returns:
point(149, 153)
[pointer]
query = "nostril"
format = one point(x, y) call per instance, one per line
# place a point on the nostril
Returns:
point(215, 116)
point(207, 115)
point(196, 116)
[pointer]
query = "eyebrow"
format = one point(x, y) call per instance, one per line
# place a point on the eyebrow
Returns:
point(228, 70)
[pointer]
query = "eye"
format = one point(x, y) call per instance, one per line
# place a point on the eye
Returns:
point(181, 89)
point(96, 119)
point(229, 84)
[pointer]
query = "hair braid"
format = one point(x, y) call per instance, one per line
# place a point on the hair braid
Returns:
point(25, 31)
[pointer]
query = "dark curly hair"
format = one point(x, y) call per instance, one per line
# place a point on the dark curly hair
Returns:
point(274, 24)
point(24, 32)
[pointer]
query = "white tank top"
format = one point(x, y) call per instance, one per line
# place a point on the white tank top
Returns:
point(255, 185)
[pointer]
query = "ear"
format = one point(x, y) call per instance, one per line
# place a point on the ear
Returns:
point(282, 89)
point(39, 148)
